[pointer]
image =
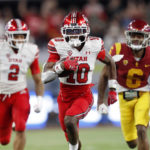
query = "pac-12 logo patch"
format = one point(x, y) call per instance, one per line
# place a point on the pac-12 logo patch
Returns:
point(69, 52)
point(7, 55)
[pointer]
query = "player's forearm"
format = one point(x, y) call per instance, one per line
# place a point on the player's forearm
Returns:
point(101, 89)
point(112, 70)
point(102, 85)
point(39, 88)
point(111, 66)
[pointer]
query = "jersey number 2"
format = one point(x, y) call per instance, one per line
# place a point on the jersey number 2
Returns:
point(14, 74)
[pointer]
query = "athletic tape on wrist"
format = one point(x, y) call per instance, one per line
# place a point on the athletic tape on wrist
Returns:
point(58, 68)
point(112, 83)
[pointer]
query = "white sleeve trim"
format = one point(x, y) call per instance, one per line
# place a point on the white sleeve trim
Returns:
point(117, 58)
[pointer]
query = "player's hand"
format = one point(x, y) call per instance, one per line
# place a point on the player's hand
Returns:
point(70, 64)
point(102, 108)
point(112, 97)
point(38, 106)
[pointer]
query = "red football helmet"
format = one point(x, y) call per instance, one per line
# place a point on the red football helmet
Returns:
point(75, 25)
point(137, 34)
point(16, 27)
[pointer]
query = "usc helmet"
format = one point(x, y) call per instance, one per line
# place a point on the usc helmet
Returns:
point(75, 24)
point(16, 27)
point(137, 28)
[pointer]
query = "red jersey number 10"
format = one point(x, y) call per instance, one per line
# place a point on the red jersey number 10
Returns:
point(82, 74)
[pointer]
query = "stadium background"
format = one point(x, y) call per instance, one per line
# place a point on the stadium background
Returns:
point(108, 19)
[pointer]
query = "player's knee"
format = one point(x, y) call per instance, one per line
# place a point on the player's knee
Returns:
point(141, 131)
point(5, 135)
point(69, 121)
point(132, 144)
point(20, 126)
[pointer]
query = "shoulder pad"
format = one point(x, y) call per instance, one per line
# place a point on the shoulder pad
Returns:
point(52, 44)
point(96, 43)
point(115, 49)
point(58, 39)
point(93, 38)
point(32, 48)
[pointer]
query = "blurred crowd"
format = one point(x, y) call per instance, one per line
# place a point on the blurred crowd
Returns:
point(107, 18)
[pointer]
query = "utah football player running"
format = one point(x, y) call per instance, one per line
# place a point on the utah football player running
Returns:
point(16, 56)
point(72, 58)
point(133, 69)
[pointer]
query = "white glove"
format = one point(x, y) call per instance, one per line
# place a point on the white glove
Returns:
point(103, 109)
point(48, 76)
point(38, 106)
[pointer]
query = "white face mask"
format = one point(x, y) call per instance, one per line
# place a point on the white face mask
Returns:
point(74, 42)
point(136, 47)
point(19, 45)
point(141, 44)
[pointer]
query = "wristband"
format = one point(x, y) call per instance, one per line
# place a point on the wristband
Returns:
point(112, 83)
point(58, 69)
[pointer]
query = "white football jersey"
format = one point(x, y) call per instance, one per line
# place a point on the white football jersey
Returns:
point(14, 66)
point(86, 59)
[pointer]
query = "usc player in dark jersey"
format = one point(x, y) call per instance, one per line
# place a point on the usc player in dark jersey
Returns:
point(133, 69)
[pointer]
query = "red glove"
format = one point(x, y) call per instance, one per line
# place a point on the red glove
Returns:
point(70, 64)
point(112, 97)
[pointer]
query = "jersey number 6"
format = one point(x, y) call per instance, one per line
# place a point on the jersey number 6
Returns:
point(134, 80)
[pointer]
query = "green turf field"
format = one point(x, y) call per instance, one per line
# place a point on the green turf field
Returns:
point(101, 138)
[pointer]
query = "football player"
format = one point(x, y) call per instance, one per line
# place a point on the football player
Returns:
point(133, 69)
point(16, 56)
point(72, 58)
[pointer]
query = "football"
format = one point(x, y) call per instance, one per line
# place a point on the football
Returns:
point(65, 73)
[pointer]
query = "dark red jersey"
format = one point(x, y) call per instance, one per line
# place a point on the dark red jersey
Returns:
point(131, 73)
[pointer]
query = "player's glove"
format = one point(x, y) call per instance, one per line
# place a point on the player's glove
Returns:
point(70, 64)
point(112, 97)
point(102, 109)
point(38, 106)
